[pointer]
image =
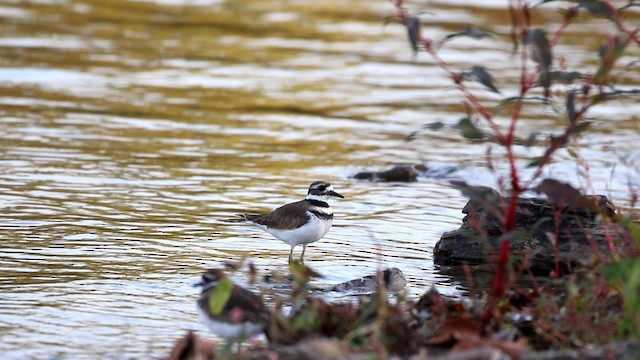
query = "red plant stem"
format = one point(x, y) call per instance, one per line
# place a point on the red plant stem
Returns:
point(558, 142)
point(486, 114)
point(499, 285)
point(522, 22)
point(501, 276)
point(500, 279)
point(402, 15)
point(616, 19)
point(525, 85)
point(556, 37)
point(609, 237)
point(402, 10)
point(556, 244)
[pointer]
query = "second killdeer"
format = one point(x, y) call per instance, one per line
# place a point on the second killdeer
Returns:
point(392, 278)
point(230, 311)
point(300, 222)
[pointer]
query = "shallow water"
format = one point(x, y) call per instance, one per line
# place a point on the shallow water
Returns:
point(132, 129)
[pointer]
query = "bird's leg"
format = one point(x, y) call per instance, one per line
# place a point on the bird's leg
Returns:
point(227, 350)
point(304, 248)
point(291, 254)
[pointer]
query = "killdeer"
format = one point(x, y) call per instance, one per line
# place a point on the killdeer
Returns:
point(230, 311)
point(300, 222)
point(392, 278)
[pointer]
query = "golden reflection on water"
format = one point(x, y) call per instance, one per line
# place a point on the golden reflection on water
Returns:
point(131, 129)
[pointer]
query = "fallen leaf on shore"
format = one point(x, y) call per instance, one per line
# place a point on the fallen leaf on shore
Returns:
point(191, 347)
point(463, 334)
point(454, 331)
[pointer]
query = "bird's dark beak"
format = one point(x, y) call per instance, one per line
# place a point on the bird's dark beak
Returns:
point(198, 284)
point(333, 193)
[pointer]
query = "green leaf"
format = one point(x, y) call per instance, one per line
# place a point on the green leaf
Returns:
point(623, 272)
point(541, 48)
point(308, 319)
point(470, 32)
point(542, 54)
point(220, 296)
point(571, 111)
point(613, 48)
point(566, 77)
point(625, 275)
point(468, 129)
point(434, 125)
point(431, 126)
point(598, 98)
point(582, 127)
point(609, 53)
point(513, 99)
point(598, 8)
point(413, 31)
point(634, 228)
point(535, 162)
point(302, 273)
point(559, 140)
point(388, 19)
point(529, 141)
point(483, 76)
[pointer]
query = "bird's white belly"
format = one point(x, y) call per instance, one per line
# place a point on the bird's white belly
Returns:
point(230, 331)
point(312, 231)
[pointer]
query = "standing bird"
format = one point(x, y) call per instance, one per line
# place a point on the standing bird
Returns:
point(230, 311)
point(300, 222)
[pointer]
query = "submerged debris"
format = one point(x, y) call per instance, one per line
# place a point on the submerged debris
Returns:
point(400, 173)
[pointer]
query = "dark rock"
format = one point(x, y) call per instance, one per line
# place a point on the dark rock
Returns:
point(580, 233)
point(404, 173)
point(365, 175)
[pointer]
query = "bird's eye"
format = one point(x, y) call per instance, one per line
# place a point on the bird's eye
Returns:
point(322, 187)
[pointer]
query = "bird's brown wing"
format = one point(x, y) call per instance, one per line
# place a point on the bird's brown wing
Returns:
point(253, 309)
point(251, 306)
point(289, 216)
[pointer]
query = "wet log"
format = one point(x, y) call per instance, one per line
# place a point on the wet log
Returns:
point(581, 232)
